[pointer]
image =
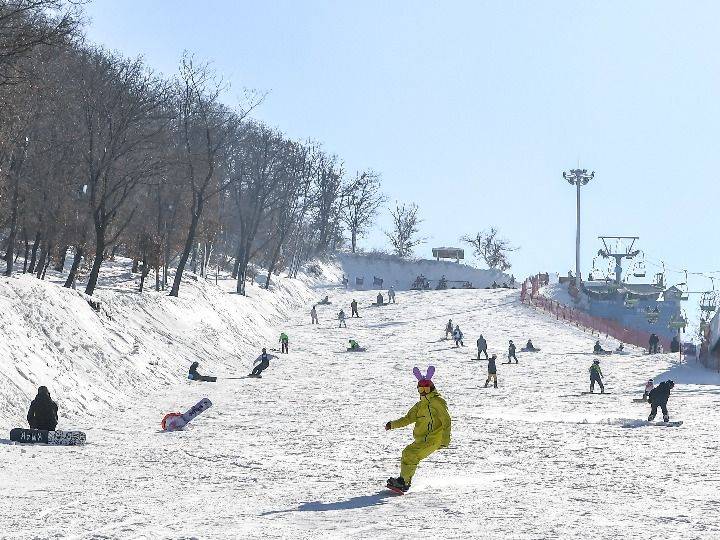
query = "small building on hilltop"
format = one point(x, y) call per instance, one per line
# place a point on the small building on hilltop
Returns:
point(448, 253)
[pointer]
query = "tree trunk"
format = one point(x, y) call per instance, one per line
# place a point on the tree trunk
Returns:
point(353, 239)
point(97, 262)
point(33, 255)
point(145, 272)
point(75, 265)
point(44, 248)
point(27, 250)
point(62, 254)
point(189, 242)
point(13, 229)
point(47, 262)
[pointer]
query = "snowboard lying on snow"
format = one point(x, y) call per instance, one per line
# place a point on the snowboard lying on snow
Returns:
point(525, 349)
point(43, 436)
point(359, 349)
point(176, 420)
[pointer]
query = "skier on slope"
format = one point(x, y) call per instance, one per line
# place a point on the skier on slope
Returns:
point(341, 318)
point(284, 342)
point(458, 337)
point(492, 371)
point(431, 432)
point(658, 397)
point(43, 412)
point(596, 377)
point(448, 328)
point(511, 352)
point(482, 346)
point(313, 316)
point(648, 388)
point(193, 374)
point(354, 310)
point(391, 294)
point(262, 362)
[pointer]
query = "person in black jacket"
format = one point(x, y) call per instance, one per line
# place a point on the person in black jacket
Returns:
point(193, 375)
point(675, 344)
point(653, 343)
point(658, 397)
point(511, 352)
point(492, 371)
point(43, 413)
point(482, 346)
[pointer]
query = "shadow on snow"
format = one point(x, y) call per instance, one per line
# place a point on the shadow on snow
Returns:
point(362, 501)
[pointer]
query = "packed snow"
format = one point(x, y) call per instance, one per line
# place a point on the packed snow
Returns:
point(302, 452)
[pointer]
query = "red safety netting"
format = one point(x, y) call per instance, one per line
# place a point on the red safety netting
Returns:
point(575, 316)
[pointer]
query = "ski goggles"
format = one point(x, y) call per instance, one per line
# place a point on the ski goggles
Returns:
point(424, 389)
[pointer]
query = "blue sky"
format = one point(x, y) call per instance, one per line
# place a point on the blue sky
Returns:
point(472, 110)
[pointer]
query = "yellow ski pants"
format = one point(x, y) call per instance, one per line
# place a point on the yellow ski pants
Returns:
point(412, 455)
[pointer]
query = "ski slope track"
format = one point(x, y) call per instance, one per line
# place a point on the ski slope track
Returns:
point(302, 452)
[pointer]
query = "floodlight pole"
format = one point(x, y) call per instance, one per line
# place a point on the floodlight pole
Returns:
point(578, 177)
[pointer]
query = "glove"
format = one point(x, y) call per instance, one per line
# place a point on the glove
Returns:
point(387, 426)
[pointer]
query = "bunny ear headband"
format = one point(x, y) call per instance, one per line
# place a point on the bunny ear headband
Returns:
point(419, 376)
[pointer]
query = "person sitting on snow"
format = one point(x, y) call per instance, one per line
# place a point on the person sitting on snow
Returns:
point(193, 375)
point(354, 345)
point(380, 299)
point(597, 349)
point(431, 432)
point(43, 412)
point(529, 346)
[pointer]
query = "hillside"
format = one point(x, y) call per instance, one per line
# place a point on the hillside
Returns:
point(302, 453)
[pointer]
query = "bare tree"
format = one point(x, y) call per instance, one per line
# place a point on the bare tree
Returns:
point(491, 249)
point(403, 236)
point(361, 202)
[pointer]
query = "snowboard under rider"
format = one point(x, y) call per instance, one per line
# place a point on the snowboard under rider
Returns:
point(458, 337)
point(313, 316)
point(43, 412)
point(596, 377)
point(262, 361)
point(658, 397)
point(193, 374)
point(431, 432)
point(448, 329)
point(354, 310)
point(492, 371)
point(482, 346)
point(284, 342)
point(341, 318)
point(511, 352)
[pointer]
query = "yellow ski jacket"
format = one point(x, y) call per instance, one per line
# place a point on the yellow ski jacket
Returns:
point(431, 418)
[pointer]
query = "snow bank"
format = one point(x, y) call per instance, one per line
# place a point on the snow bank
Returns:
point(135, 343)
point(402, 272)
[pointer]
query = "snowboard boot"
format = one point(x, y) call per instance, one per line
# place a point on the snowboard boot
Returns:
point(495, 384)
point(398, 484)
point(666, 419)
point(486, 383)
point(651, 418)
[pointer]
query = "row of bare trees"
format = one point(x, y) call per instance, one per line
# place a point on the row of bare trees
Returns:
point(99, 155)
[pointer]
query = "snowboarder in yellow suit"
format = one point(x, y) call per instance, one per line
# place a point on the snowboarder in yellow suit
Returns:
point(431, 432)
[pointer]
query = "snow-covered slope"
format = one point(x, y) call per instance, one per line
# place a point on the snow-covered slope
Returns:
point(135, 344)
point(302, 453)
point(402, 272)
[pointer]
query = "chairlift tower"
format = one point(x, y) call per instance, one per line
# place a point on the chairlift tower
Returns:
point(577, 178)
point(607, 253)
